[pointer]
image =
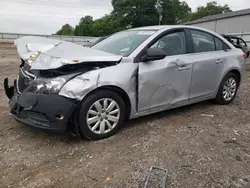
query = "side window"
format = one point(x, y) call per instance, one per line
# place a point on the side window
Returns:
point(242, 42)
point(234, 41)
point(172, 44)
point(203, 42)
point(218, 44)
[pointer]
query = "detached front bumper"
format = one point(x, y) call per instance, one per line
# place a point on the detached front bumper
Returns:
point(48, 112)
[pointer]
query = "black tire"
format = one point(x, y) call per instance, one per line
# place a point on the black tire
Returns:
point(247, 54)
point(219, 98)
point(88, 102)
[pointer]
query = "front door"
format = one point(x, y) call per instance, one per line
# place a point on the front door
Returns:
point(165, 82)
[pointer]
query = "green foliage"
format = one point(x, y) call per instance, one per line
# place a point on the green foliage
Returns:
point(84, 27)
point(176, 12)
point(66, 30)
point(137, 13)
point(210, 9)
point(100, 27)
point(106, 26)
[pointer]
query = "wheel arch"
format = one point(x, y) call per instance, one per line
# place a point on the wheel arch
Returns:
point(219, 98)
point(236, 72)
point(118, 90)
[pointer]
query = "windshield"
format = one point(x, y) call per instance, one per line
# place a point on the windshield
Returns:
point(123, 43)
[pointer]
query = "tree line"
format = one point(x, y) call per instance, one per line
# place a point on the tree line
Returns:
point(137, 13)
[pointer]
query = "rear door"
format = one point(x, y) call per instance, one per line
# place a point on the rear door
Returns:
point(208, 63)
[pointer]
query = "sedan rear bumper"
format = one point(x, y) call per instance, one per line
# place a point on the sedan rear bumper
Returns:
point(47, 112)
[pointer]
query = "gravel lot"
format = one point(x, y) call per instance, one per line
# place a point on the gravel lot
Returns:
point(198, 151)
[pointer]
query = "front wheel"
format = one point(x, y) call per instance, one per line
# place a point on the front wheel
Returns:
point(228, 89)
point(101, 114)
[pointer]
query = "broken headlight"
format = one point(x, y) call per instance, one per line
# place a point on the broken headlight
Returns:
point(46, 86)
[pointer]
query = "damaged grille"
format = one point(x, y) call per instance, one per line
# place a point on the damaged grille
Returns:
point(23, 80)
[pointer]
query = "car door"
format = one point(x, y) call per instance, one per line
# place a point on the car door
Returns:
point(208, 63)
point(165, 82)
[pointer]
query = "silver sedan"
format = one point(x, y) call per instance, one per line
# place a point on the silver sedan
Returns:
point(92, 91)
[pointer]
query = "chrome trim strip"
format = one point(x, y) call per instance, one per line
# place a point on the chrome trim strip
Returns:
point(18, 91)
point(28, 73)
point(25, 74)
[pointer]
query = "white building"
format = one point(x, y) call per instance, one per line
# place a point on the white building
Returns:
point(233, 23)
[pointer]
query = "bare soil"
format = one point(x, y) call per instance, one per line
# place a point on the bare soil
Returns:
point(196, 149)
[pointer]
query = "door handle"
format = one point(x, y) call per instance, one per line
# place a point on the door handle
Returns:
point(218, 61)
point(183, 67)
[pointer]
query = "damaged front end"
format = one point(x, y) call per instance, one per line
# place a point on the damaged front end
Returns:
point(46, 66)
point(34, 101)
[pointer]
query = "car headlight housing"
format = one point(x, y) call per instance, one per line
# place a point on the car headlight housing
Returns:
point(46, 86)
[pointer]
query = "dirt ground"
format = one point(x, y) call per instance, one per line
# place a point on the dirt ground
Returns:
point(197, 151)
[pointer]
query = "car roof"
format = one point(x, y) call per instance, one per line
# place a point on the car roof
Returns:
point(165, 27)
point(225, 35)
point(154, 27)
point(233, 37)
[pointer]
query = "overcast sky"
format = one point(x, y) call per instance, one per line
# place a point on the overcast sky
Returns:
point(47, 16)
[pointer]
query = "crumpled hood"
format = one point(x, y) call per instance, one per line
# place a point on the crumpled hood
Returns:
point(43, 53)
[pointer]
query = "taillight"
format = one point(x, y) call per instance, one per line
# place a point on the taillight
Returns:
point(245, 56)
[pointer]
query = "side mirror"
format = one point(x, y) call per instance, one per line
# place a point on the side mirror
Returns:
point(154, 54)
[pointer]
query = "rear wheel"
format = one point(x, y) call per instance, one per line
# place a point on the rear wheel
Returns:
point(101, 114)
point(228, 89)
point(247, 54)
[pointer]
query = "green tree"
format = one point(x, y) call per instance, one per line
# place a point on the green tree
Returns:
point(175, 11)
point(101, 27)
point(66, 30)
point(136, 13)
point(86, 19)
point(211, 8)
point(84, 28)
point(106, 25)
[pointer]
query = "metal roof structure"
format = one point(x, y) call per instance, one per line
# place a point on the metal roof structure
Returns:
point(220, 16)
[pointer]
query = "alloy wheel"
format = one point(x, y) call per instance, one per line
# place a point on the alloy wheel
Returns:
point(229, 89)
point(103, 116)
